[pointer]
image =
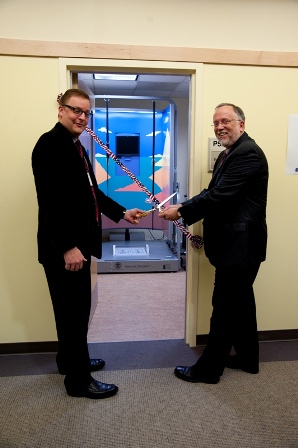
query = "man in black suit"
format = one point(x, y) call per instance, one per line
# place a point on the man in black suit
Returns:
point(69, 233)
point(235, 236)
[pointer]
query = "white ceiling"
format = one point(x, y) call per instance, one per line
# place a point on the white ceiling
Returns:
point(168, 86)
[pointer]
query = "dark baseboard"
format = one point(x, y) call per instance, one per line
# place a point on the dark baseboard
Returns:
point(28, 347)
point(264, 336)
point(52, 346)
point(278, 335)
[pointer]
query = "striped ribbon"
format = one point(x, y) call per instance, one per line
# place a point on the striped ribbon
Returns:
point(196, 240)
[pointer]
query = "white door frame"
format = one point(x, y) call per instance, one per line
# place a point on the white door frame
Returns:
point(195, 71)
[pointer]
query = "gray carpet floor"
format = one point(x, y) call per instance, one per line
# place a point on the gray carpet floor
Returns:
point(154, 409)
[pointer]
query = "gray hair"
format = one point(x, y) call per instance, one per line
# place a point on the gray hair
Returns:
point(238, 111)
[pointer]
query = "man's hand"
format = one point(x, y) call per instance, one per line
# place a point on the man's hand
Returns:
point(170, 213)
point(74, 259)
point(131, 215)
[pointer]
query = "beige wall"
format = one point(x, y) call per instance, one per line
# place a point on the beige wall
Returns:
point(28, 89)
point(27, 111)
point(245, 24)
point(267, 96)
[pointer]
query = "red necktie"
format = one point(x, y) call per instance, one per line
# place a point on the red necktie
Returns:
point(224, 156)
point(81, 152)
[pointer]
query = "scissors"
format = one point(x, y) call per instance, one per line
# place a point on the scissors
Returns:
point(156, 207)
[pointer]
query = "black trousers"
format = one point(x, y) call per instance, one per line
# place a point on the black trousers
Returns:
point(71, 298)
point(233, 322)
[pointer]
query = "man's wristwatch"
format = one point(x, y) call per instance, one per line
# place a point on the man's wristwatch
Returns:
point(178, 213)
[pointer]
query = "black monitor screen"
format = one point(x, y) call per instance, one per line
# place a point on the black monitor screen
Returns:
point(127, 145)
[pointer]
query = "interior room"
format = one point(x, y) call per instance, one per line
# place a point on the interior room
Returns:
point(139, 121)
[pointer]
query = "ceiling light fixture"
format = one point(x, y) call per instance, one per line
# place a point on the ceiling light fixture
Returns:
point(114, 77)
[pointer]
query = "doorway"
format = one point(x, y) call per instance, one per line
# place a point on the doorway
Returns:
point(150, 305)
point(193, 70)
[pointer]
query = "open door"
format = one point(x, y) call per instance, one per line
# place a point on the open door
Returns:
point(87, 142)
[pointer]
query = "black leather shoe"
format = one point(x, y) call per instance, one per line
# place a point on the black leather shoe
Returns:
point(95, 390)
point(188, 374)
point(95, 364)
point(234, 362)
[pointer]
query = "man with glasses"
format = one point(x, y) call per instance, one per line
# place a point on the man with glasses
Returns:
point(233, 208)
point(69, 233)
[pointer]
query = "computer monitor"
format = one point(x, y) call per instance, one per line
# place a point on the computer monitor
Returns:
point(127, 145)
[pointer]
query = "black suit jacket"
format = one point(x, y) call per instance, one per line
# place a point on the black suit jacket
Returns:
point(234, 207)
point(66, 205)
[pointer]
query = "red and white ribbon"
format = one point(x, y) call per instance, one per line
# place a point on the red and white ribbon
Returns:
point(196, 240)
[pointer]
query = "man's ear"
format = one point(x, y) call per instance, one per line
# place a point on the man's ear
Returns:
point(59, 110)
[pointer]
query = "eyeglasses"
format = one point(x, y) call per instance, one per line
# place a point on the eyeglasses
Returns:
point(78, 111)
point(224, 122)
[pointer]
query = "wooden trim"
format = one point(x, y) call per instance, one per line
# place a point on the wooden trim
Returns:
point(264, 336)
point(50, 49)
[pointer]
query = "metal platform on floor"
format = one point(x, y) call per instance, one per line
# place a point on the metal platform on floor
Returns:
point(137, 256)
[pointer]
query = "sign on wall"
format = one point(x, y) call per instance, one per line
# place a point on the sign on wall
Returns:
point(214, 149)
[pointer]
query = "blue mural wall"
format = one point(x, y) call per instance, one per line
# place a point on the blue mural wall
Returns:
point(152, 169)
